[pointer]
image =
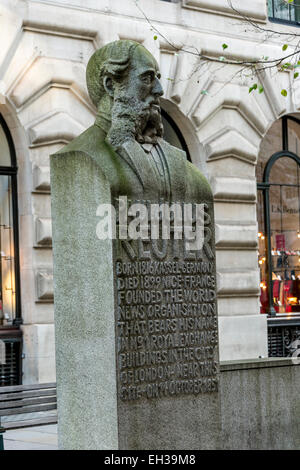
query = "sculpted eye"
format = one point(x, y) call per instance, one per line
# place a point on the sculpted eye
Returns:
point(148, 77)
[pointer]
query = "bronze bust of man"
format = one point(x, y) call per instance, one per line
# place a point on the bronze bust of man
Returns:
point(126, 139)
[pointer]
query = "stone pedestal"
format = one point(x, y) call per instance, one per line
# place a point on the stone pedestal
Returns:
point(135, 313)
point(136, 328)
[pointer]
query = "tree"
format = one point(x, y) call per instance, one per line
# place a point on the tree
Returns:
point(287, 60)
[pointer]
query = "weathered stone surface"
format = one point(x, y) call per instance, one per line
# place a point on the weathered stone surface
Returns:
point(136, 320)
point(43, 232)
point(260, 410)
point(41, 178)
point(44, 286)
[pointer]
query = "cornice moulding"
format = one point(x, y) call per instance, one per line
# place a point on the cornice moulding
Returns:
point(254, 10)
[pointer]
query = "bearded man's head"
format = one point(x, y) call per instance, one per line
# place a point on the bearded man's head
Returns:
point(123, 83)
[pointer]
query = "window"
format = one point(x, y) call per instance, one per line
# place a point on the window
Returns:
point(278, 215)
point(282, 11)
point(172, 133)
point(9, 261)
point(10, 311)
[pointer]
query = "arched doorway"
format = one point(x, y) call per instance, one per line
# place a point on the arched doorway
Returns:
point(278, 213)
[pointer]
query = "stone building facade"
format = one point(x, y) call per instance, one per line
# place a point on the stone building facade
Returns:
point(45, 46)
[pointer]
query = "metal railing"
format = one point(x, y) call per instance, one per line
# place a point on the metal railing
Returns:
point(10, 357)
point(284, 337)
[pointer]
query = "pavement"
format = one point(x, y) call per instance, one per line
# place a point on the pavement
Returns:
point(33, 438)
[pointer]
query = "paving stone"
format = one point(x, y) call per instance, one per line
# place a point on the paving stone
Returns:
point(34, 438)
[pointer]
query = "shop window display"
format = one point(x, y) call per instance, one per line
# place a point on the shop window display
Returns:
point(278, 213)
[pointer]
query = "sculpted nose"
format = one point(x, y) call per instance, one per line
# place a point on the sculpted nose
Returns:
point(157, 88)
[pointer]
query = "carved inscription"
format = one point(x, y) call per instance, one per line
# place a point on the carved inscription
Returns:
point(166, 320)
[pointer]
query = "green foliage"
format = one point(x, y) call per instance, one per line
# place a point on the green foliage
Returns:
point(253, 87)
point(284, 92)
point(256, 86)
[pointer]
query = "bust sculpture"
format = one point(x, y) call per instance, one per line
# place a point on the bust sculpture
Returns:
point(127, 138)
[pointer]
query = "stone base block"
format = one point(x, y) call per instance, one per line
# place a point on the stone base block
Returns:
point(39, 350)
point(243, 337)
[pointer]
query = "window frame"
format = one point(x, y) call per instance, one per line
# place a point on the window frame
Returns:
point(264, 186)
point(274, 19)
point(12, 171)
point(178, 132)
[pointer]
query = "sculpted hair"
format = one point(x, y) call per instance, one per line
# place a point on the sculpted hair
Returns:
point(113, 60)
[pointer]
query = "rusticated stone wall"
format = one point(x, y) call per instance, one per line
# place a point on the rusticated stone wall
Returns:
point(44, 51)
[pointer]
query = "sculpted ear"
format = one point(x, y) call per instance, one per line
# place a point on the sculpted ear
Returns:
point(108, 85)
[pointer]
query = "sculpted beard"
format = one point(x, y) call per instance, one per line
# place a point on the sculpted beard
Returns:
point(134, 119)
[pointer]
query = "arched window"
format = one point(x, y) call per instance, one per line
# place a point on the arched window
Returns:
point(278, 214)
point(172, 133)
point(10, 312)
point(10, 308)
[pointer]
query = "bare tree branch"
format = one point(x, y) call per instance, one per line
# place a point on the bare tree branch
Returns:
point(287, 61)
